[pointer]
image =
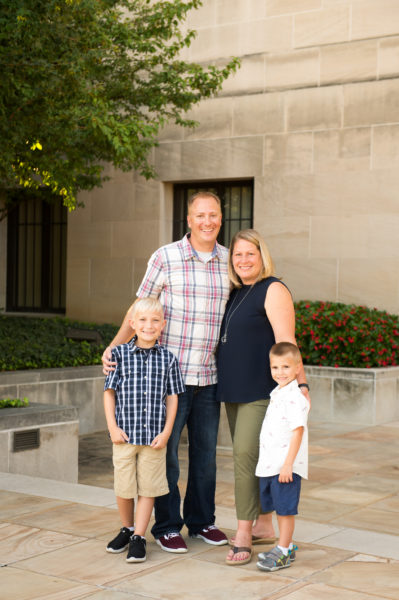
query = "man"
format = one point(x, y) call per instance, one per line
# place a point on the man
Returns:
point(191, 280)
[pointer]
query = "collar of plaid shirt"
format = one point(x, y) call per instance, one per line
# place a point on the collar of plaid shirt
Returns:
point(134, 348)
point(189, 252)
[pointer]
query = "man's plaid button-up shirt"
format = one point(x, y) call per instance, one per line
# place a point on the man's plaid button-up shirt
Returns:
point(194, 295)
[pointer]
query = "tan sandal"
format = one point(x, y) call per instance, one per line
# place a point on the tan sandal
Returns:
point(256, 540)
point(236, 550)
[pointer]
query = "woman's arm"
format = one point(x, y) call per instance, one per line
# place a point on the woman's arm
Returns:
point(280, 311)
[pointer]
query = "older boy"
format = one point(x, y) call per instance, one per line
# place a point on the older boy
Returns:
point(140, 403)
point(283, 455)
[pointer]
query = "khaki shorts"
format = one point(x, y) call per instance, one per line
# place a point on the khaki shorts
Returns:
point(139, 470)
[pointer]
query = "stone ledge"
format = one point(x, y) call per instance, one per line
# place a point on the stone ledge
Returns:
point(358, 396)
point(43, 375)
point(352, 373)
point(36, 414)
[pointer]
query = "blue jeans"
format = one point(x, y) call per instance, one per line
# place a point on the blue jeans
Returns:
point(198, 409)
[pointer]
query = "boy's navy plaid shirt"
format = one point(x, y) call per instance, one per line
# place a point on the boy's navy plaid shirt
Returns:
point(142, 379)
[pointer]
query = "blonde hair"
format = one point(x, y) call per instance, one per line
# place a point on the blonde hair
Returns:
point(251, 235)
point(283, 348)
point(143, 305)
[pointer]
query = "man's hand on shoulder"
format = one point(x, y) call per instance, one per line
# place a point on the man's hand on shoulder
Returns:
point(305, 392)
point(108, 365)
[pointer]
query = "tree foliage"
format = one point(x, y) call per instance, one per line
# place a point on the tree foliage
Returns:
point(89, 82)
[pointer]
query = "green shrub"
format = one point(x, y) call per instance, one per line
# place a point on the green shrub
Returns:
point(13, 402)
point(37, 343)
point(344, 335)
point(328, 333)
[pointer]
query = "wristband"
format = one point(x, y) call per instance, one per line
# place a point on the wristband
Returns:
point(305, 385)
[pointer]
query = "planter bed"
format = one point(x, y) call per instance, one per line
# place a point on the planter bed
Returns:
point(79, 387)
point(40, 440)
point(358, 396)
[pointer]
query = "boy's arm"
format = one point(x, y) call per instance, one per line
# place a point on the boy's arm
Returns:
point(161, 439)
point(295, 443)
point(118, 436)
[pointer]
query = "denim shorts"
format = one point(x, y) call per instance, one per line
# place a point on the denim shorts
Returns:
point(281, 497)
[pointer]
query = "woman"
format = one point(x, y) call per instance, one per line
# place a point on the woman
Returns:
point(259, 312)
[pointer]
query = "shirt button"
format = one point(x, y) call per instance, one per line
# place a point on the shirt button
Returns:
point(144, 425)
point(145, 393)
point(145, 376)
point(145, 410)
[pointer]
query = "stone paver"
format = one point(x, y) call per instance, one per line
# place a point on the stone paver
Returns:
point(53, 534)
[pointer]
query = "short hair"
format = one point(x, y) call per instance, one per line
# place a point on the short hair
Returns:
point(145, 305)
point(251, 235)
point(283, 348)
point(203, 194)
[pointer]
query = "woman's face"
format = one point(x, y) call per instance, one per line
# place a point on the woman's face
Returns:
point(247, 261)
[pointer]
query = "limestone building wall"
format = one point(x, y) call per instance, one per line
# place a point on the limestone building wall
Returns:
point(312, 116)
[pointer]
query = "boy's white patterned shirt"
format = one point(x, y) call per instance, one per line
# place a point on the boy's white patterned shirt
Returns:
point(194, 295)
point(288, 409)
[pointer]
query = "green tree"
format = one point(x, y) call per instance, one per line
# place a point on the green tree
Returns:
point(89, 82)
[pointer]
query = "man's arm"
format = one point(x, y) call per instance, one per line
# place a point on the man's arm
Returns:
point(161, 439)
point(295, 443)
point(124, 334)
point(118, 436)
point(151, 285)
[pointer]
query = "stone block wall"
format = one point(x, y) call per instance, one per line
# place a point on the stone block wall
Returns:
point(74, 387)
point(56, 454)
point(312, 116)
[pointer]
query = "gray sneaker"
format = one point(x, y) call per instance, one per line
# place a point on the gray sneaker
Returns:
point(292, 554)
point(274, 560)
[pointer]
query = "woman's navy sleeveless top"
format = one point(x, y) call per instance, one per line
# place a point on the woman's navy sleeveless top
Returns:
point(243, 360)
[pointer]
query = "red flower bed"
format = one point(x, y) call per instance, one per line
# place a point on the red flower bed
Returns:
point(333, 334)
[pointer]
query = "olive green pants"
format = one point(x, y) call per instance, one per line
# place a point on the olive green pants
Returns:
point(245, 422)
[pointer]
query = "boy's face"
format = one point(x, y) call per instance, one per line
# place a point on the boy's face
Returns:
point(284, 369)
point(148, 327)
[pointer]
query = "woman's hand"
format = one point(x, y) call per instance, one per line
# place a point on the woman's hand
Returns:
point(305, 392)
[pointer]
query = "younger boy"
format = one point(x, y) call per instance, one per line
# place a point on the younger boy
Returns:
point(283, 455)
point(140, 403)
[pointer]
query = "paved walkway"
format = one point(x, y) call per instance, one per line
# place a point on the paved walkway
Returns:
point(53, 534)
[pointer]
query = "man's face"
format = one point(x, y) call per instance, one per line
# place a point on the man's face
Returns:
point(204, 219)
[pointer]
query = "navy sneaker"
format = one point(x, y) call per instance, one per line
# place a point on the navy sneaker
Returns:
point(121, 541)
point(137, 549)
